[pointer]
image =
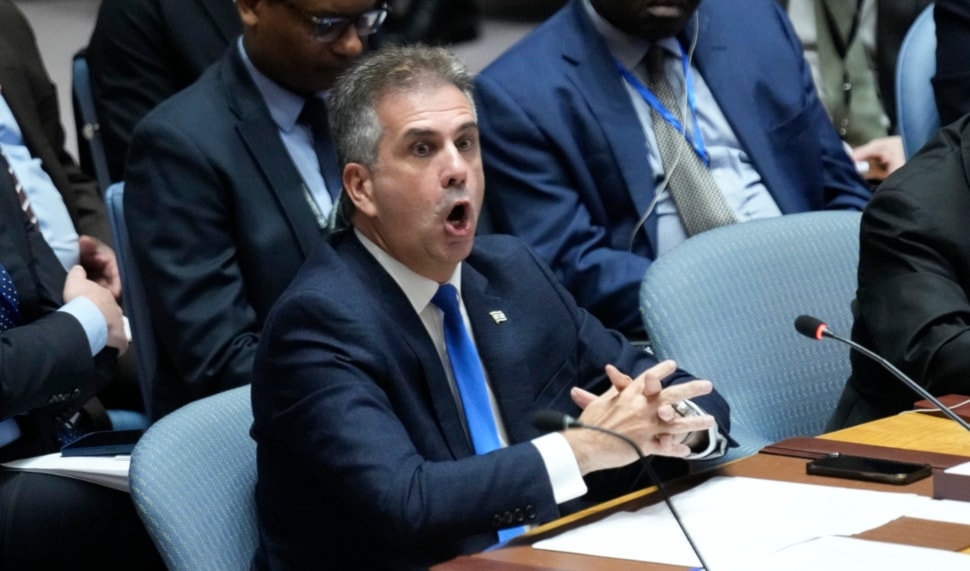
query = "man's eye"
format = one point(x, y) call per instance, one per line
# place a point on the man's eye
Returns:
point(465, 144)
point(421, 149)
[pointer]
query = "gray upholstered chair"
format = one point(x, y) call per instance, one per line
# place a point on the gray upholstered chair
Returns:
point(916, 112)
point(193, 478)
point(723, 305)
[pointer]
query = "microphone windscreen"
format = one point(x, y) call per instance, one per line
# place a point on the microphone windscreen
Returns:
point(550, 420)
point(810, 326)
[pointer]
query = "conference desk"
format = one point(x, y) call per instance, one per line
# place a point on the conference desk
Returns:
point(912, 436)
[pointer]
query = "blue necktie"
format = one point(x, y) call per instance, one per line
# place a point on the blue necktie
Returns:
point(470, 378)
point(9, 316)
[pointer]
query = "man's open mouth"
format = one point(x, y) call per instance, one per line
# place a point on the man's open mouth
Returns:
point(458, 218)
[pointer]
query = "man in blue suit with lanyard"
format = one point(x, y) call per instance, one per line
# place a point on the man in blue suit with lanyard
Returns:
point(616, 130)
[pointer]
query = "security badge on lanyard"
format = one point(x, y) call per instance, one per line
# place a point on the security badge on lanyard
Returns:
point(694, 138)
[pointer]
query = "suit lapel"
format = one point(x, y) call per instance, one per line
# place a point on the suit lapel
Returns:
point(497, 342)
point(734, 88)
point(414, 337)
point(591, 69)
point(261, 135)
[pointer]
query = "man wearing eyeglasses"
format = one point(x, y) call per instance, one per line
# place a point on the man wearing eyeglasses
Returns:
point(230, 185)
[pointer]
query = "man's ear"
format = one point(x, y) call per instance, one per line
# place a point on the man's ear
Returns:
point(249, 11)
point(359, 188)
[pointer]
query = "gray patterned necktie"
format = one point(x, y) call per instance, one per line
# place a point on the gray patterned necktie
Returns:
point(699, 201)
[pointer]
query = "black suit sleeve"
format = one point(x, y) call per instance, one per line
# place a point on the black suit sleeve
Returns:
point(204, 317)
point(142, 52)
point(914, 277)
point(46, 360)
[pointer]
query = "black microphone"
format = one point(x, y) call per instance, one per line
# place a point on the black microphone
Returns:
point(816, 329)
point(553, 421)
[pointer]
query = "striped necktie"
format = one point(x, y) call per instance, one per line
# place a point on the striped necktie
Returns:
point(21, 194)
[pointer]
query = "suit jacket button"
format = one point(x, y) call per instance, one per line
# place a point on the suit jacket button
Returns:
point(519, 516)
point(530, 512)
point(497, 521)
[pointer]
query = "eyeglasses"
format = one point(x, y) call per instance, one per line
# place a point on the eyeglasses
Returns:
point(332, 28)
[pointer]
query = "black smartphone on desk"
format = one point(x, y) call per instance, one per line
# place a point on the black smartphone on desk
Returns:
point(869, 469)
point(103, 443)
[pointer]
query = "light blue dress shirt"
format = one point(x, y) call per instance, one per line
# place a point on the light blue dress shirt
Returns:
point(45, 200)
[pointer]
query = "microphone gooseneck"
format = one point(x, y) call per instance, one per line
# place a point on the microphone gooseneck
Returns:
point(816, 328)
point(551, 421)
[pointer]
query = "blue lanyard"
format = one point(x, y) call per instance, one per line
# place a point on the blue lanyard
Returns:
point(696, 141)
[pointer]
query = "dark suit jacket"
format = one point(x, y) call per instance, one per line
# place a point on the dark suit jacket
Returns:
point(565, 156)
point(220, 224)
point(47, 359)
point(142, 52)
point(362, 455)
point(914, 282)
point(952, 80)
point(33, 100)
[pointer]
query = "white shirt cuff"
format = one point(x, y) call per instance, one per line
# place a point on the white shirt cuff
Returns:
point(90, 318)
point(561, 466)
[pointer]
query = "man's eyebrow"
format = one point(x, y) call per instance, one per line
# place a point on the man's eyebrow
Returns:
point(418, 132)
point(414, 133)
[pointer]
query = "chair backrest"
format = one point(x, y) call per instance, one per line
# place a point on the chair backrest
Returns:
point(193, 478)
point(916, 112)
point(723, 305)
point(133, 298)
point(90, 145)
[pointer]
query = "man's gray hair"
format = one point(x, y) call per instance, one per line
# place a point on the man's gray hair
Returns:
point(352, 103)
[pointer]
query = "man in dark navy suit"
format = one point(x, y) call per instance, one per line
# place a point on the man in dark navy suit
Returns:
point(60, 335)
point(228, 186)
point(397, 377)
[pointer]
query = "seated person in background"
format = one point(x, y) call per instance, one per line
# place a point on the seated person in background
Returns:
point(856, 43)
point(142, 52)
point(914, 282)
point(579, 138)
point(230, 184)
point(67, 203)
point(60, 334)
point(398, 375)
point(951, 84)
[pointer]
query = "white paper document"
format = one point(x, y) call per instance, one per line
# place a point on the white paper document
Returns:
point(110, 471)
point(952, 511)
point(851, 554)
point(736, 520)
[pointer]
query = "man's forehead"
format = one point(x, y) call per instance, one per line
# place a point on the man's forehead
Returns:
point(443, 99)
